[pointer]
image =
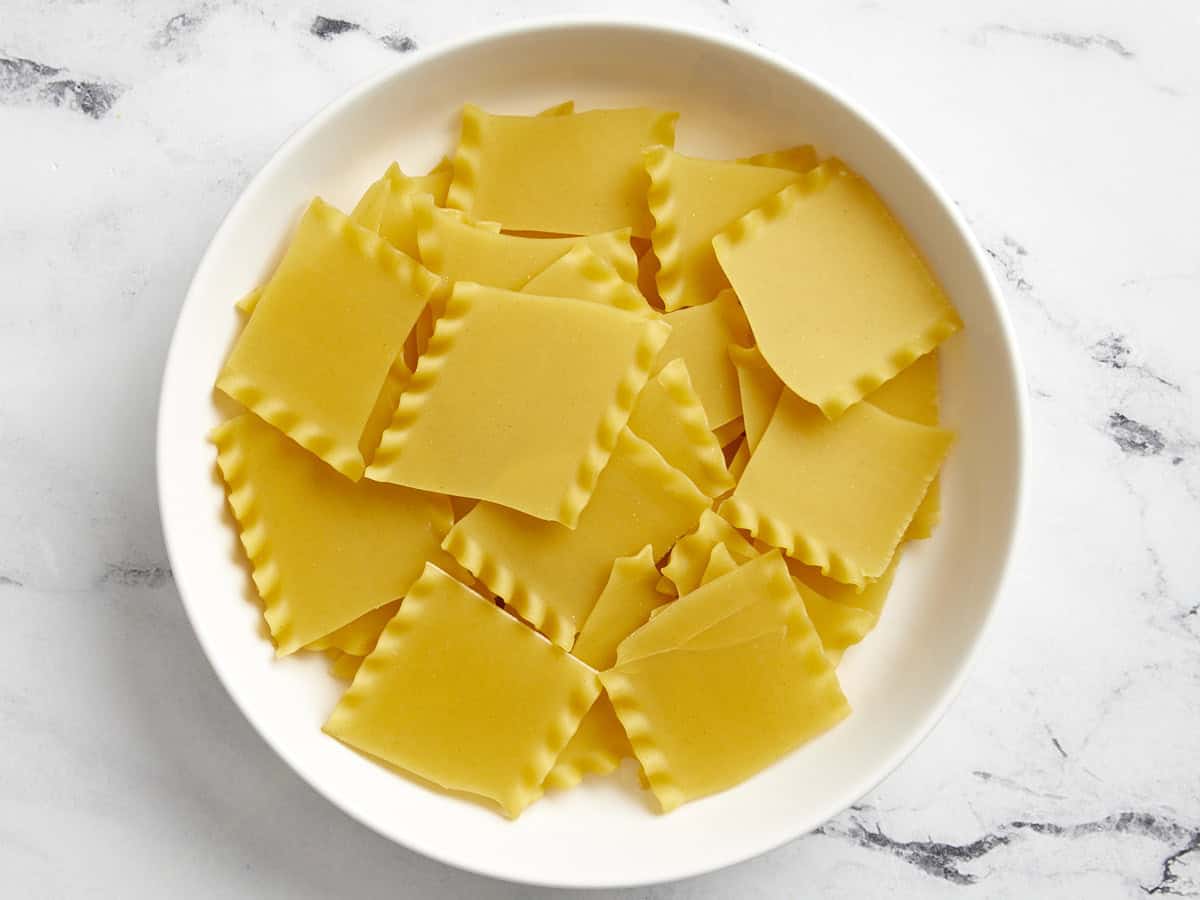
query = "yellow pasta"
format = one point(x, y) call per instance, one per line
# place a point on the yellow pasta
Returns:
point(628, 599)
point(837, 296)
point(701, 336)
point(621, 498)
point(868, 598)
point(669, 415)
point(691, 553)
point(759, 389)
point(571, 174)
point(836, 495)
point(552, 575)
point(323, 550)
point(507, 703)
point(692, 200)
point(339, 286)
point(583, 274)
point(770, 694)
point(463, 251)
point(596, 748)
point(800, 158)
point(720, 562)
point(358, 638)
point(519, 400)
point(764, 583)
point(913, 394)
point(839, 624)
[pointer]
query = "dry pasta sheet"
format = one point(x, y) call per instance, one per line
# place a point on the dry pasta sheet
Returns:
point(580, 452)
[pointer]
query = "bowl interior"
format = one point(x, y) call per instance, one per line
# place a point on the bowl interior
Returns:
point(733, 101)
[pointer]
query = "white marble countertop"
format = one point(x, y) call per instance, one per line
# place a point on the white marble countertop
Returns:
point(1069, 133)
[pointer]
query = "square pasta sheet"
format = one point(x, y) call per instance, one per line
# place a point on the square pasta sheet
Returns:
point(507, 702)
point(573, 174)
point(739, 651)
point(323, 550)
point(911, 394)
point(692, 200)
point(519, 400)
point(552, 575)
point(343, 301)
point(838, 297)
point(836, 495)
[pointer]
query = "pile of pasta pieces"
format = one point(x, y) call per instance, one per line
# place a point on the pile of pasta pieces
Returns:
point(578, 449)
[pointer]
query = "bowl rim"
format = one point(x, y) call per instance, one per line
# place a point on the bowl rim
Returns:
point(653, 26)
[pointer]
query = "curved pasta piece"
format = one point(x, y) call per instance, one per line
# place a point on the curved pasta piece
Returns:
point(770, 695)
point(507, 703)
point(752, 599)
point(323, 550)
point(759, 389)
point(669, 415)
point(800, 158)
point(913, 394)
point(337, 286)
point(837, 295)
point(647, 273)
point(358, 638)
point(730, 433)
point(583, 274)
point(690, 555)
point(868, 598)
point(720, 562)
point(741, 459)
point(837, 495)
point(596, 748)
point(691, 201)
point(462, 251)
point(625, 604)
point(552, 575)
point(559, 109)
point(519, 400)
point(344, 666)
point(525, 171)
point(245, 305)
point(839, 625)
point(700, 336)
point(386, 401)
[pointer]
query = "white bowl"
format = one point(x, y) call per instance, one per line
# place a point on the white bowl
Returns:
point(734, 100)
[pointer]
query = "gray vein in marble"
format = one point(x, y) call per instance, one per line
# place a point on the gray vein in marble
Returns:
point(327, 29)
point(1014, 785)
point(1054, 741)
point(133, 575)
point(27, 81)
point(10, 581)
point(946, 861)
point(399, 41)
point(176, 27)
point(1134, 437)
point(1070, 39)
point(1008, 256)
point(1113, 351)
point(1172, 881)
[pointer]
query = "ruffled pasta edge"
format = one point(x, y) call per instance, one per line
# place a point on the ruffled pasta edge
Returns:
point(837, 402)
